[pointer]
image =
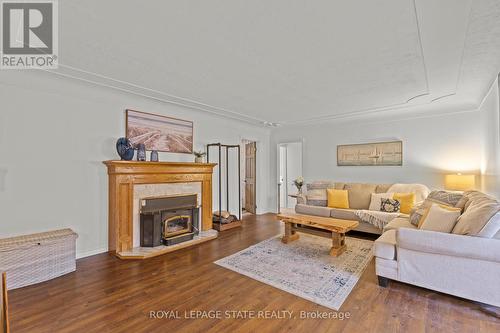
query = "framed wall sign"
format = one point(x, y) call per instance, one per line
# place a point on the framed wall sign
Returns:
point(371, 154)
point(159, 133)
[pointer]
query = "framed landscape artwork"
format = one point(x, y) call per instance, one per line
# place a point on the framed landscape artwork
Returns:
point(371, 154)
point(159, 133)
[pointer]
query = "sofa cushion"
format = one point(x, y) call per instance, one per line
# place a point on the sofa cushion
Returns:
point(440, 218)
point(312, 210)
point(360, 195)
point(368, 228)
point(447, 198)
point(316, 192)
point(492, 228)
point(479, 209)
point(320, 185)
point(385, 245)
point(316, 198)
point(382, 188)
point(421, 191)
point(399, 222)
point(360, 186)
point(376, 200)
point(406, 201)
point(344, 214)
point(390, 205)
point(339, 186)
point(337, 198)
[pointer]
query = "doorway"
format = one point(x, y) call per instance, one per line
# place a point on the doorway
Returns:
point(289, 169)
point(249, 197)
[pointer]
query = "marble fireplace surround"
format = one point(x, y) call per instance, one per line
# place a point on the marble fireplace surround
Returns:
point(129, 181)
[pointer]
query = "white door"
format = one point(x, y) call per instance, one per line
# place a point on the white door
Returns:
point(290, 168)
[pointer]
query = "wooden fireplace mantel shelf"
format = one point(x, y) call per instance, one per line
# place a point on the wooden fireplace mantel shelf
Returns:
point(123, 175)
point(137, 167)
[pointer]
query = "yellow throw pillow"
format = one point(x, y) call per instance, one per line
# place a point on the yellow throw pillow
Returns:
point(407, 200)
point(338, 198)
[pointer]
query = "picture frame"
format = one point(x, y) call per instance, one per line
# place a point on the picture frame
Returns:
point(158, 132)
point(388, 153)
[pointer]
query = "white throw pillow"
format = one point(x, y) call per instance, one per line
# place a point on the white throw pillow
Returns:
point(440, 218)
point(376, 200)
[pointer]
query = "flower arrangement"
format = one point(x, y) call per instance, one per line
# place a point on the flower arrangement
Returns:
point(299, 182)
point(198, 156)
point(199, 153)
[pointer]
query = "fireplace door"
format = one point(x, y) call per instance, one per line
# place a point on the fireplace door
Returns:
point(176, 225)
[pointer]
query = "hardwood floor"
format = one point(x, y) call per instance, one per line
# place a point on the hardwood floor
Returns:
point(106, 294)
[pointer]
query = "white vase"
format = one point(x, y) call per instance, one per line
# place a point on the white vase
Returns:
point(198, 159)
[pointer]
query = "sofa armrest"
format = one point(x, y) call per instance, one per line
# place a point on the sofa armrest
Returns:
point(449, 244)
point(301, 199)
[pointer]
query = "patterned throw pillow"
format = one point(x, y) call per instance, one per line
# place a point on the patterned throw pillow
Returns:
point(389, 205)
point(445, 198)
point(316, 197)
point(316, 193)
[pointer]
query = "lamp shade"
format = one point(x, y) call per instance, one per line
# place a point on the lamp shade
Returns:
point(459, 182)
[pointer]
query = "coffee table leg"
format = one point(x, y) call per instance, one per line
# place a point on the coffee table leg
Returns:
point(338, 244)
point(290, 235)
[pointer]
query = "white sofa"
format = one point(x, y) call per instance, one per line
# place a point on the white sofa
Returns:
point(314, 201)
point(462, 265)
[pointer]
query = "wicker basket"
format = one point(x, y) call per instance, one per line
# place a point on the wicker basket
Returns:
point(39, 257)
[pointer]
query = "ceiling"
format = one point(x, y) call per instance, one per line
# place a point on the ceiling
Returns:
point(286, 61)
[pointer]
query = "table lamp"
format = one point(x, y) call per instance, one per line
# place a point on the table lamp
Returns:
point(459, 182)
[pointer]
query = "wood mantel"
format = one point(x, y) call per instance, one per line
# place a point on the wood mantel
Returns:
point(123, 175)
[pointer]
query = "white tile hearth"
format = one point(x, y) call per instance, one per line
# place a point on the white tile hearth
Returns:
point(145, 252)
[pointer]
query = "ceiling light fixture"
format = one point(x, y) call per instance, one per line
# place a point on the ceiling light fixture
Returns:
point(270, 124)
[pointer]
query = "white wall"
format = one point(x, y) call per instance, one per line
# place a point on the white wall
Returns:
point(433, 145)
point(490, 124)
point(54, 135)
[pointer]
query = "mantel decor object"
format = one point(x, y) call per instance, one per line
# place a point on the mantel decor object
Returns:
point(125, 149)
point(154, 156)
point(141, 152)
point(198, 156)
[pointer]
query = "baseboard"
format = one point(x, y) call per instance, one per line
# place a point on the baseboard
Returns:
point(91, 253)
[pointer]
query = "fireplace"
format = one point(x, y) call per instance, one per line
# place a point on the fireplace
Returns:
point(169, 220)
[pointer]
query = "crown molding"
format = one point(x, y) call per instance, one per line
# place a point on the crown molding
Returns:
point(131, 88)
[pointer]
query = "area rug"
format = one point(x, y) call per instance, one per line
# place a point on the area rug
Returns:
point(304, 267)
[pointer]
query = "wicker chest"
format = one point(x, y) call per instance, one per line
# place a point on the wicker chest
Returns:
point(38, 257)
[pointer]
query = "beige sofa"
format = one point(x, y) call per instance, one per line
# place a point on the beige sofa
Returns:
point(464, 263)
point(314, 200)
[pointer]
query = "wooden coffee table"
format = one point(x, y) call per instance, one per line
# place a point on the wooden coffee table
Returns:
point(316, 225)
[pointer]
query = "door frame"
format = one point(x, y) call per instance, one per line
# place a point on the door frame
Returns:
point(278, 163)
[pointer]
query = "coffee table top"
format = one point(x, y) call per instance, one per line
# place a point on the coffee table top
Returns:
point(328, 223)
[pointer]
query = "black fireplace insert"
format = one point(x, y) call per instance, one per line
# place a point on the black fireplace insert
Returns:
point(169, 220)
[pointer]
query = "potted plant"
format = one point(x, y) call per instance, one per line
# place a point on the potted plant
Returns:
point(299, 182)
point(198, 156)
